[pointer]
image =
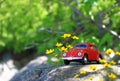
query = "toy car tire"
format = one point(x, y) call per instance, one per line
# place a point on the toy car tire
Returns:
point(85, 60)
point(66, 62)
point(98, 62)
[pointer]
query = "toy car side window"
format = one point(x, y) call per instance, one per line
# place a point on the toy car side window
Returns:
point(93, 47)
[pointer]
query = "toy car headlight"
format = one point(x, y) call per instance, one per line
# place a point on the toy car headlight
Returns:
point(64, 54)
point(79, 54)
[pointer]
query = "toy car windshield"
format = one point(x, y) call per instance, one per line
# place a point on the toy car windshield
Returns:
point(80, 46)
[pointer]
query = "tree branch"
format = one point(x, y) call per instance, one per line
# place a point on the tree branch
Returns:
point(75, 10)
point(90, 20)
point(111, 31)
point(109, 9)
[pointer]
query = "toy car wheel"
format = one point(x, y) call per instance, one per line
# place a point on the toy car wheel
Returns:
point(98, 62)
point(66, 62)
point(85, 60)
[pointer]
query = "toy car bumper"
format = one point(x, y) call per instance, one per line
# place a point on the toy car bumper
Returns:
point(71, 58)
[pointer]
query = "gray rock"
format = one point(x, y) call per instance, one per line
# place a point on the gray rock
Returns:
point(32, 71)
point(39, 70)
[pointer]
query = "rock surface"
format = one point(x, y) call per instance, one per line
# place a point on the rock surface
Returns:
point(39, 70)
point(7, 67)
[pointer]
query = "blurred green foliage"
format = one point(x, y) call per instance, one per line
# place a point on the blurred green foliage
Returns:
point(40, 23)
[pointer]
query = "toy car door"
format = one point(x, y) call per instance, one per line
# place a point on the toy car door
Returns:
point(93, 53)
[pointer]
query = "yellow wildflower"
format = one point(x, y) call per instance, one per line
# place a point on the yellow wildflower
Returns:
point(117, 53)
point(59, 44)
point(49, 51)
point(100, 80)
point(106, 65)
point(112, 62)
point(109, 51)
point(83, 72)
point(75, 37)
point(102, 61)
point(56, 55)
point(93, 67)
point(112, 76)
point(66, 35)
point(76, 75)
point(63, 49)
point(91, 78)
point(98, 71)
point(69, 46)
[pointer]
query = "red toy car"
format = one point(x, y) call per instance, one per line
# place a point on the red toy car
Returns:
point(84, 53)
